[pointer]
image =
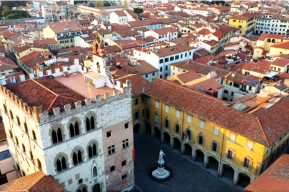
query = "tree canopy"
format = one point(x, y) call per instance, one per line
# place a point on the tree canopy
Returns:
point(138, 10)
point(15, 14)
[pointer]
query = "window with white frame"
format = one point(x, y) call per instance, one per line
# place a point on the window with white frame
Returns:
point(216, 131)
point(190, 118)
point(250, 145)
point(167, 109)
point(202, 124)
point(157, 104)
point(232, 138)
point(178, 113)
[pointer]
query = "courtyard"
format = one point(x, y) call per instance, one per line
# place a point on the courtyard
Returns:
point(188, 175)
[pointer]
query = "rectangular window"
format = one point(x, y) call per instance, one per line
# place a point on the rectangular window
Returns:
point(108, 134)
point(247, 162)
point(172, 58)
point(161, 60)
point(167, 109)
point(126, 125)
point(166, 59)
point(230, 154)
point(232, 138)
point(125, 144)
point(216, 131)
point(190, 118)
point(202, 124)
point(250, 145)
point(214, 146)
point(161, 69)
point(178, 114)
point(177, 57)
point(157, 104)
point(157, 118)
point(111, 150)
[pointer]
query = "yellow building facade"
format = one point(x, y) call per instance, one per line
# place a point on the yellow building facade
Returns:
point(244, 22)
point(206, 141)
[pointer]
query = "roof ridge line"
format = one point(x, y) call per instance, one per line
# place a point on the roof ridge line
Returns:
point(44, 87)
point(56, 96)
point(181, 86)
point(259, 122)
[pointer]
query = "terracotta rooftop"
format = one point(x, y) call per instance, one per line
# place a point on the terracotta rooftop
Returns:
point(275, 178)
point(137, 81)
point(258, 127)
point(65, 26)
point(36, 182)
point(264, 36)
point(7, 64)
point(281, 62)
point(163, 31)
point(45, 92)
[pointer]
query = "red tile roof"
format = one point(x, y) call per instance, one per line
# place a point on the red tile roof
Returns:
point(45, 92)
point(163, 31)
point(188, 76)
point(281, 45)
point(258, 127)
point(264, 36)
point(275, 178)
point(7, 64)
point(281, 62)
point(137, 81)
point(35, 182)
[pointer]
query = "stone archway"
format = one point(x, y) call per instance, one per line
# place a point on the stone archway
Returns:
point(244, 180)
point(157, 133)
point(188, 150)
point(228, 171)
point(136, 128)
point(213, 163)
point(199, 156)
point(96, 188)
point(148, 129)
point(177, 144)
point(167, 138)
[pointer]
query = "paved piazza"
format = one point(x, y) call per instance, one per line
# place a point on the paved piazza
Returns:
point(188, 176)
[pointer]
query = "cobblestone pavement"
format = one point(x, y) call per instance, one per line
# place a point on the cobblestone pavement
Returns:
point(188, 176)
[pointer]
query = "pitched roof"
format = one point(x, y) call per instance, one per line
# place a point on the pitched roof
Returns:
point(35, 182)
point(281, 62)
point(65, 26)
point(264, 36)
point(137, 81)
point(166, 51)
point(166, 30)
point(45, 92)
point(7, 64)
point(275, 178)
point(213, 110)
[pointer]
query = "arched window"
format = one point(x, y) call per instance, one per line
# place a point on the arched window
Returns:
point(61, 164)
point(89, 123)
point(39, 164)
point(23, 148)
point(92, 122)
point(92, 150)
point(34, 135)
point(11, 115)
point(5, 108)
point(82, 189)
point(94, 172)
point(25, 127)
point(273, 40)
point(18, 120)
point(77, 157)
point(74, 129)
point(56, 136)
point(136, 115)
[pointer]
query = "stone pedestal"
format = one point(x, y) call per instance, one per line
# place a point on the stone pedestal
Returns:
point(161, 173)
